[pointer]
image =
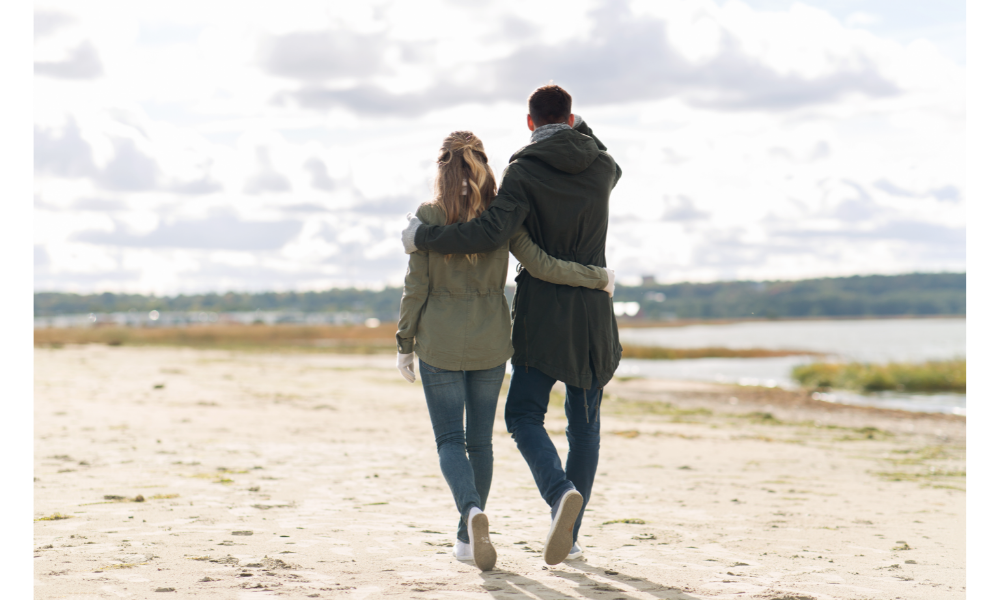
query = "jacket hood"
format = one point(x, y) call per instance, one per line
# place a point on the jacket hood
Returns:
point(567, 150)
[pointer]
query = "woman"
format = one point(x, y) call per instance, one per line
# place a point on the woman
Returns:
point(455, 317)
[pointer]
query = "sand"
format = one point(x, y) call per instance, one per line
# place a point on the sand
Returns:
point(306, 475)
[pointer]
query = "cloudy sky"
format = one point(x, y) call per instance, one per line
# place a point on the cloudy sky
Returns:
point(199, 146)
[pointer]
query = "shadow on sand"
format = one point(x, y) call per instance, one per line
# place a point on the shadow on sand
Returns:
point(591, 582)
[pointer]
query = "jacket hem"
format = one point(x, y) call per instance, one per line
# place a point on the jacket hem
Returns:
point(467, 365)
point(567, 376)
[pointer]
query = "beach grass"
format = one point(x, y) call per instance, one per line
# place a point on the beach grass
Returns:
point(331, 338)
point(930, 376)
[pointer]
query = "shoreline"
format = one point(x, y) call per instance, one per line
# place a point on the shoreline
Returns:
point(760, 397)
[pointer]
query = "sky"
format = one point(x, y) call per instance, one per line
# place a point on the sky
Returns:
point(189, 147)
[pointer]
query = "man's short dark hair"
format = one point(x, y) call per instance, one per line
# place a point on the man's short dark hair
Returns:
point(550, 104)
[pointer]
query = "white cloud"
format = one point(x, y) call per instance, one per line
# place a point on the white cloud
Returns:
point(195, 146)
point(861, 19)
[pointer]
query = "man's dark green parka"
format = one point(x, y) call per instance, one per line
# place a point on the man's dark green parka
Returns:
point(560, 188)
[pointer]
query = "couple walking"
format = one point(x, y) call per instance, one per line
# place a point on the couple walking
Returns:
point(551, 212)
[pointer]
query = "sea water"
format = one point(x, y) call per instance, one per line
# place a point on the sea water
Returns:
point(863, 340)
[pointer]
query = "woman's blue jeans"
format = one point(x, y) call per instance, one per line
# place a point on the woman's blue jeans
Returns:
point(449, 394)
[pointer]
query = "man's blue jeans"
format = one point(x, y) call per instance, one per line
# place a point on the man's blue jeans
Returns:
point(527, 402)
point(449, 394)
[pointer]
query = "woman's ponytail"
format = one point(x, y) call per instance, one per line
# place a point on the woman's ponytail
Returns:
point(462, 163)
point(479, 173)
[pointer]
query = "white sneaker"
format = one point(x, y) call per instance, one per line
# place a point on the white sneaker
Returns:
point(575, 552)
point(560, 539)
point(483, 553)
point(462, 550)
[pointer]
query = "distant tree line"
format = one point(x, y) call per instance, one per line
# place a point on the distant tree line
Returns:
point(871, 295)
point(368, 302)
point(857, 296)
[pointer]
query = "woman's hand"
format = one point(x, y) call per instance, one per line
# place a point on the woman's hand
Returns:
point(404, 362)
point(610, 289)
point(410, 232)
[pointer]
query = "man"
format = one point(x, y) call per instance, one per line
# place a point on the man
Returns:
point(559, 186)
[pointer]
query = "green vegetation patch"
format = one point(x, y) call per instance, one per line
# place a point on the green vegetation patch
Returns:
point(918, 456)
point(122, 566)
point(930, 376)
point(864, 433)
point(55, 517)
point(763, 418)
point(114, 498)
point(626, 521)
point(906, 476)
point(215, 477)
point(809, 427)
point(933, 478)
point(647, 407)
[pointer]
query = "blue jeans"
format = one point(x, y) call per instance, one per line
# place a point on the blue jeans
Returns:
point(449, 394)
point(527, 402)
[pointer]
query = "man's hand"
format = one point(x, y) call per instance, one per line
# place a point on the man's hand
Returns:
point(610, 289)
point(404, 362)
point(410, 233)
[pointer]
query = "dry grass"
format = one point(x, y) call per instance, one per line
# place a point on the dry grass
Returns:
point(334, 338)
point(329, 338)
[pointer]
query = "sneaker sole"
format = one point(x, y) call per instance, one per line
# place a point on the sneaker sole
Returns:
point(483, 552)
point(560, 539)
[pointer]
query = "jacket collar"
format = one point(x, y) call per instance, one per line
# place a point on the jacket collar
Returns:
point(547, 131)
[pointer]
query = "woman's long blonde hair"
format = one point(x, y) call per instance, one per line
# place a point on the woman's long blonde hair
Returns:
point(464, 186)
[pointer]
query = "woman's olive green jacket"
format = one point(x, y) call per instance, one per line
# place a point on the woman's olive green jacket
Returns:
point(454, 314)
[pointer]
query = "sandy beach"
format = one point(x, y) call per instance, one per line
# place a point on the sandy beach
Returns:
point(309, 475)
